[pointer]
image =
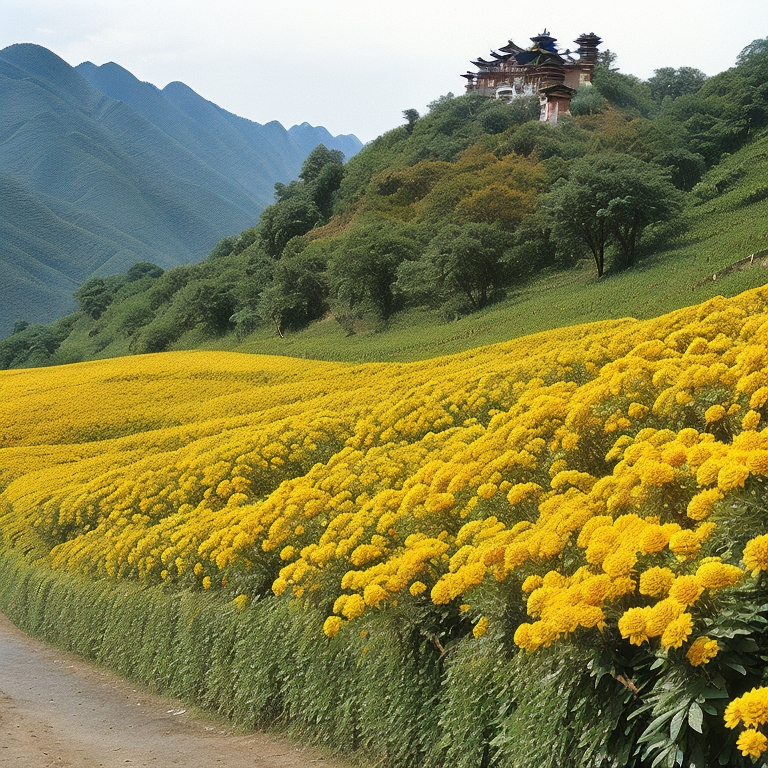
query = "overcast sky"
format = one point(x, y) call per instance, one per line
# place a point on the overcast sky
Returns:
point(355, 65)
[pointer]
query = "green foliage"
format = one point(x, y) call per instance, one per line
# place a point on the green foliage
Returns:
point(462, 266)
point(672, 83)
point(588, 101)
point(298, 293)
point(623, 91)
point(363, 268)
point(610, 198)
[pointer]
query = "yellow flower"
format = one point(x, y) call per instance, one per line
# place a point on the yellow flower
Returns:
point(633, 625)
point(684, 543)
point(686, 590)
point(332, 625)
point(703, 649)
point(732, 475)
point(751, 708)
point(240, 602)
point(481, 627)
point(662, 615)
point(714, 413)
point(756, 554)
point(531, 583)
point(206, 582)
point(353, 607)
point(750, 421)
point(716, 575)
point(677, 631)
point(752, 743)
point(374, 594)
point(701, 505)
point(417, 588)
point(655, 582)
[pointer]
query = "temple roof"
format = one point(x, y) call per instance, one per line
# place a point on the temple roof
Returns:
point(510, 48)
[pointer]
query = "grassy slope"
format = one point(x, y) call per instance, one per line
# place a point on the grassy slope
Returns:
point(719, 232)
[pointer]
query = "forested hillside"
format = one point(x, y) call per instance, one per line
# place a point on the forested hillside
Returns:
point(474, 209)
point(94, 183)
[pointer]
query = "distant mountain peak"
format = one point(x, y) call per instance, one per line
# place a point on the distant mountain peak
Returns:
point(108, 170)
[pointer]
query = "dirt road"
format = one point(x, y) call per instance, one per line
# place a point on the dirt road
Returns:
point(56, 710)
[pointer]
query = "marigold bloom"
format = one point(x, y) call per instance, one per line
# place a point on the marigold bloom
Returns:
point(750, 421)
point(752, 743)
point(677, 631)
point(655, 582)
point(417, 588)
point(633, 625)
point(702, 504)
point(662, 614)
point(684, 543)
point(716, 575)
point(714, 413)
point(332, 625)
point(732, 475)
point(703, 649)
point(653, 539)
point(756, 554)
point(686, 590)
point(481, 627)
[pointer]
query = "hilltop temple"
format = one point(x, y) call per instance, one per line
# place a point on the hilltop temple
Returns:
point(541, 70)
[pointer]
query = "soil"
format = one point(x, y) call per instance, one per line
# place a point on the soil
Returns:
point(57, 710)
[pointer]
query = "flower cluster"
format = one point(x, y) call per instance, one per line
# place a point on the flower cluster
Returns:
point(751, 711)
point(600, 467)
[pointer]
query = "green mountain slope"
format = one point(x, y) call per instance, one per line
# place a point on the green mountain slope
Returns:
point(162, 189)
point(450, 232)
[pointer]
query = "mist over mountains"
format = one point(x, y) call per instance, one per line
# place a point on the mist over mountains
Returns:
point(99, 170)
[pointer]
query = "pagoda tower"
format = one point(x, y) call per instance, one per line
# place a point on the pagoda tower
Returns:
point(541, 69)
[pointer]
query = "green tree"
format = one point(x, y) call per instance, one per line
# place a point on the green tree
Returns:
point(285, 220)
point(317, 160)
point(298, 293)
point(464, 261)
point(364, 265)
point(93, 297)
point(411, 116)
point(610, 198)
point(673, 83)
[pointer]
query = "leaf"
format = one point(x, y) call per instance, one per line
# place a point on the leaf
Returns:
point(676, 724)
point(736, 666)
point(716, 693)
point(696, 717)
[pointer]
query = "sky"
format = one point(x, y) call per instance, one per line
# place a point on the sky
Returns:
point(353, 66)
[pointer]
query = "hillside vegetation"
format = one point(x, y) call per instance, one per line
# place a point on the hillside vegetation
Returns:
point(544, 552)
point(100, 175)
point(471, 224)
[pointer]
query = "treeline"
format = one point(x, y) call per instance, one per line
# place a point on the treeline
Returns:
point(450, 210)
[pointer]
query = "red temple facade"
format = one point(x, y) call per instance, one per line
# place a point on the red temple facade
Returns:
point(542, 70)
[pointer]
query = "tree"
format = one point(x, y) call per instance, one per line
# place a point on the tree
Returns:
point(287, 219)
point(93, 297)
point(461, 261)
point(364, 265)
point(411, 116)
point(673, 83)
point(317, 159)
point(610, 198)
point(298, 292)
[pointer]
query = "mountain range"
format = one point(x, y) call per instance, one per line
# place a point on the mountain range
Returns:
point(99, 170)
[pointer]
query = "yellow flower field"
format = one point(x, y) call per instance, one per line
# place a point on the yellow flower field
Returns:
point(605, 475)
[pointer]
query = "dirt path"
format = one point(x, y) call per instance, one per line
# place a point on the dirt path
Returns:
point(56, 710)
